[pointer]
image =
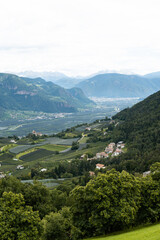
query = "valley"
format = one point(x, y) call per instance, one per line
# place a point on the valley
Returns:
point(89, 169)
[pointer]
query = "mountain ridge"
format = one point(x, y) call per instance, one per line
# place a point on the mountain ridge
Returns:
point(18, 93)
point(119, 85)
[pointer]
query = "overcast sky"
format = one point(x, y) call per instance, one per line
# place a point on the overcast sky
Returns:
point(80, 37)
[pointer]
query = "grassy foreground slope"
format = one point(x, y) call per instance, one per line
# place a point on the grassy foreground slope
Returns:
point(146, 233)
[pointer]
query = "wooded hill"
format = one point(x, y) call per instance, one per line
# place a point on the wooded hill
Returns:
point(18, 93)
point(139, 127)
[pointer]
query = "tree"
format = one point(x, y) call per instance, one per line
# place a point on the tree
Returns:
point(17, 221)
point(39, 197)
point(36, 195)
point(155, 171)
point(75, 146)
point(59, 226)
point(108, 203)
point(149, 210)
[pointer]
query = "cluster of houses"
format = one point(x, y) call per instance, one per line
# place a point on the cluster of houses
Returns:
point(111, 150)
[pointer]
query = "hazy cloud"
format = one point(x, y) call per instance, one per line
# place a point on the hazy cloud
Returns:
point(79, 36)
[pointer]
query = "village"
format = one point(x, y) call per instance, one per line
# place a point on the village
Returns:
point(112, 150)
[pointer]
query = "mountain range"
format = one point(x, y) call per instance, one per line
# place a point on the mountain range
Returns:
point(105, 84)
point(55, 77)
point(114, 85)
point(18, 93)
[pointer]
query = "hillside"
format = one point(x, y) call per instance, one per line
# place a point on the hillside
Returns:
point(118, 85)
point(144, 233)
point(37, 95)
point(140, 128)
point(88, 197)
point(55, 77)
point(152, 75)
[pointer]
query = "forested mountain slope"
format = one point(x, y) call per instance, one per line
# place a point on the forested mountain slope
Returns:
point(37, 95)
point(140, 128)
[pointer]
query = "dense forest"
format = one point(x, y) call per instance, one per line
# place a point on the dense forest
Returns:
point(139, 127)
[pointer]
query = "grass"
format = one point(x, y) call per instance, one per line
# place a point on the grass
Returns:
point(70, 135)
point(146, 233)
point(6, 148)
point(83, 140)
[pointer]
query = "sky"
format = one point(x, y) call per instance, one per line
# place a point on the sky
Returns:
point(80, 37)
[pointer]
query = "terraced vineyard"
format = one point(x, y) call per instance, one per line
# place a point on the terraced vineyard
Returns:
point(35, 155)
point(48, 141)
point(48, 152)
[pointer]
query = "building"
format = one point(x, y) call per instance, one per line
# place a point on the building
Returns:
point(2, 175)
point(36, 134)
point(88, 129)
point(108, 150)
point(101, 155)
point(120, 145)
point(100, 166)
point(91, 174)
point(43, 170)
point(19, 167)
point(117, 152)
point(111, 145)
point(13, 141)
point(83, 156)
point(146, 173)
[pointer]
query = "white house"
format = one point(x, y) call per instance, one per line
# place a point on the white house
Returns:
point(43, 170)
point(20, 167)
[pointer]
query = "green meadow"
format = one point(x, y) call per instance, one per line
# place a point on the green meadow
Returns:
point(145, 233)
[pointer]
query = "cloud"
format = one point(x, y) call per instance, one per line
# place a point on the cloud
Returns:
point(79, 37)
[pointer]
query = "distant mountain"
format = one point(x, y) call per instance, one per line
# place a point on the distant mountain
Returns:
point(18, 93)
point(55, 77)
point(48, 76)
point(152, 75)
point(118, 85)
point(68, 82)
